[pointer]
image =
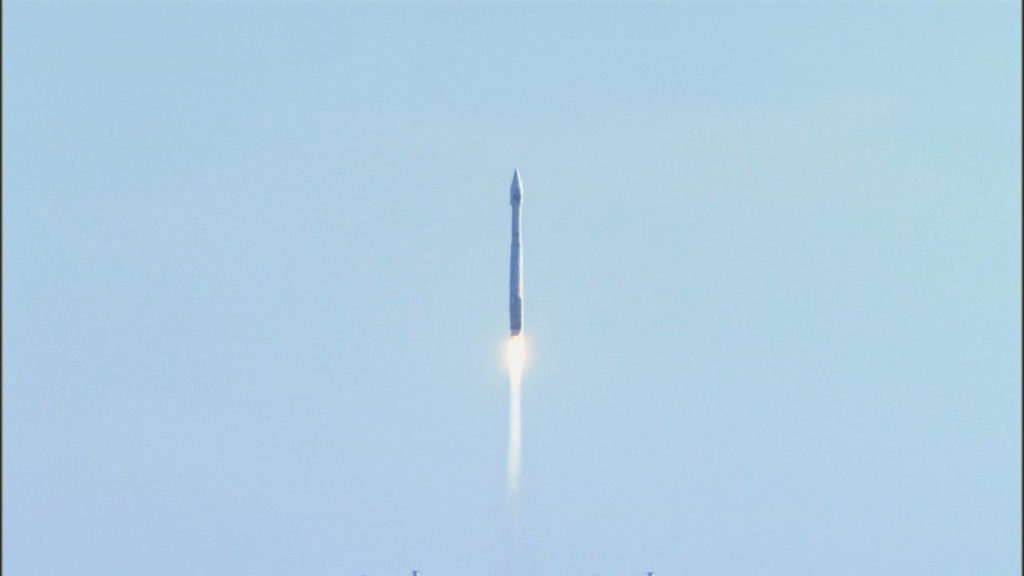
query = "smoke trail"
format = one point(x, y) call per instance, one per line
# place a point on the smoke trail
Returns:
point(515, 370)
point(515, 435)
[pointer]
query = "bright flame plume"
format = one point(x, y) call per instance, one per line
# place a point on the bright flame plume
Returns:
point(516, 358)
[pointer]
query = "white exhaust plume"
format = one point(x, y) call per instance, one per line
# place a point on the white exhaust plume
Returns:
point(516, 357)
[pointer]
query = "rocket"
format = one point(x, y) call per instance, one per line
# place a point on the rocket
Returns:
point(515, 284)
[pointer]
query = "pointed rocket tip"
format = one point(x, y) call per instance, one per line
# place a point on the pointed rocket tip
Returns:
point(517, 188)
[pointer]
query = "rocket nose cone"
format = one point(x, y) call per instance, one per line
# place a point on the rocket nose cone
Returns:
point(517, 187)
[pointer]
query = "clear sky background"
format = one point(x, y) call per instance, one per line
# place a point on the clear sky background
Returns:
point(255, 274)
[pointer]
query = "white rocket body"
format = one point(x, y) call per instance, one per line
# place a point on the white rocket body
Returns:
point(515, 297)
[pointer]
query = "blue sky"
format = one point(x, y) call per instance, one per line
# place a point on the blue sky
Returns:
point(255, 271)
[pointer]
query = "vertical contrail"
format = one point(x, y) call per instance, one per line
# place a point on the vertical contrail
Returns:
point(515, 434)
point(516, 350)
point(515, 430)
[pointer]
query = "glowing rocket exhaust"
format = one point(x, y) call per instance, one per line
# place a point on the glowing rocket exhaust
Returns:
point(516, 349)
point(515, 369)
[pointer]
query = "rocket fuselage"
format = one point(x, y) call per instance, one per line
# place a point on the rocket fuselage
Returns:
point(515, 298)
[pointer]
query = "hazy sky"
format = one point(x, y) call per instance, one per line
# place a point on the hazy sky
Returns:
point(255, 274)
